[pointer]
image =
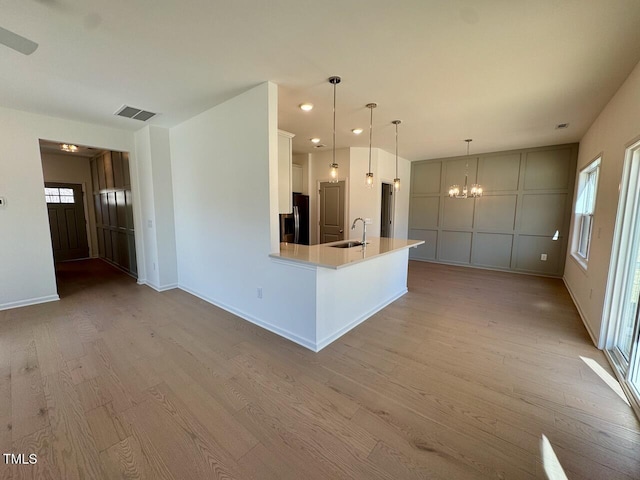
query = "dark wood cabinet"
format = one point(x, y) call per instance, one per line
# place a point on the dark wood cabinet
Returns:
point(114, 209)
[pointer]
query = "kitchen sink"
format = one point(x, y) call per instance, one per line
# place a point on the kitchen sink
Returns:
point(347, 245)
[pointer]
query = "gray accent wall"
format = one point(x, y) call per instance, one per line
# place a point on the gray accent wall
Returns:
point(527, 197)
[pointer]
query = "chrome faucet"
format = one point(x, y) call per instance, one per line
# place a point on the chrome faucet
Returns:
point(364, 230)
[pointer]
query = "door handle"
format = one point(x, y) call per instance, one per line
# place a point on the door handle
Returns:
point(341, 231)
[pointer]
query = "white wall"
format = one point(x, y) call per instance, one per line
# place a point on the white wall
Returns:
point(26, 258)
point(156, 192)
point(617, 126)
point(68, 168)
point(319, 172)
point(363, 201)
point(226, 215)
point(387, 169)
point(360, 200)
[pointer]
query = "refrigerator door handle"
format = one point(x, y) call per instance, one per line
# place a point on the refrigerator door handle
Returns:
point(296, 222)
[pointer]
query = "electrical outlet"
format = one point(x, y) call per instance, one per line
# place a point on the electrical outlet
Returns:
point(149, 223)
point(259, 292)
point(543, 257)
point(368, 221)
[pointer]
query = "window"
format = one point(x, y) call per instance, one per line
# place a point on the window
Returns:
point(59, 195)
point(585, 206)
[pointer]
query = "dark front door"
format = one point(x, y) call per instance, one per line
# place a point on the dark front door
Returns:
point(67, 221)
point(331, 211)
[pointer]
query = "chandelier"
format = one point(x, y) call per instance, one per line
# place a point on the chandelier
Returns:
point(476, 189)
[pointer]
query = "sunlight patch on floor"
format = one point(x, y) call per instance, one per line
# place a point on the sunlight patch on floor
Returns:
point(606, 376)
point(550, 461)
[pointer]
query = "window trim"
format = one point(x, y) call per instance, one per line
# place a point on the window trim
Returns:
point(580, 212)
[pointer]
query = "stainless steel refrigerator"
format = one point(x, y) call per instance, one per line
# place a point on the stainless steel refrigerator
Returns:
point(294, 227)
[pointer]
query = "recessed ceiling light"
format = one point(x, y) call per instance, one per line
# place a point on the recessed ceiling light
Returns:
point(69, 148)
point(306, 107)
point(315, 140)
point(357, 131)
point(320, 145)
point(561, 125)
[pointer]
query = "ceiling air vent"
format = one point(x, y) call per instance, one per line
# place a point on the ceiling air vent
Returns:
point(561, 125)
point(135, 113)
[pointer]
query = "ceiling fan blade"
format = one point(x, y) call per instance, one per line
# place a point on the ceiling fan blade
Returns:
point(17, 42)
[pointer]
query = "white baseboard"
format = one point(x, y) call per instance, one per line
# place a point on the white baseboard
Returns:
point(30, 301)
point(582, 316)
point(160, 288)
point(256, 321)
point(334, 336)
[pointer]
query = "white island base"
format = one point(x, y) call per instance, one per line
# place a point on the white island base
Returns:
point(343, 287)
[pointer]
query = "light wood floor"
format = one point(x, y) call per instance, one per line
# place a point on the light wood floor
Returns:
point(456, 380)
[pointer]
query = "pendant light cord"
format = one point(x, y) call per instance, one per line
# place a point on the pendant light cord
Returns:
point(334, 123)
point(396, 150)
point(466, 172)
point(370, 136)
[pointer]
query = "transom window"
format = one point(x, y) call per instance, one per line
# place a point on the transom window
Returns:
point(59, 195)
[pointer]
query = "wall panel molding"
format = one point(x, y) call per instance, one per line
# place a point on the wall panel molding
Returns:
point(527, 196)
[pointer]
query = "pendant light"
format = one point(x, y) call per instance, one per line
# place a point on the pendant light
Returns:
point(476, 189)
point(368, 179)
point(396, 181)
point(333, 166)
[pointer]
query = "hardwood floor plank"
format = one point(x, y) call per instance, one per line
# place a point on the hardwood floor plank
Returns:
point(50, 355)
point(127, 460)
point(5, 409)
point(82, 368)
point(75, 453)
point(28, 405)
point(41, 444)
point(457, 379)
point(180, 438)
point(106, 428)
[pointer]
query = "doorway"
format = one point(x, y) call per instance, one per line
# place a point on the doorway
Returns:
point(332, 211)
point(386, 210)
point(90, 207)
point(67, 221)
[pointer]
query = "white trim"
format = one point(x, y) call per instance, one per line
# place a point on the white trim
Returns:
point(334, 336)
point(623, 383)
point(626, 213)
point(580, 261)
point(159, 288)
point(582, 316)
point(293, 263)
point(256, 321)
point(30, 301)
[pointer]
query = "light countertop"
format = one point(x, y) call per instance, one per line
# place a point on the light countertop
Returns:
point(324, 255)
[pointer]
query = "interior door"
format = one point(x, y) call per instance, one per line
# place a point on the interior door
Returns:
point(331, 211)
point(67, 221)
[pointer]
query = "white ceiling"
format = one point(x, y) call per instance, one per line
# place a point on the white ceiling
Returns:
point(54, 148)
point(501, 72)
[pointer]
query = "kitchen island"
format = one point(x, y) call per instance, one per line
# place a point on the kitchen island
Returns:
point(342, 286)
